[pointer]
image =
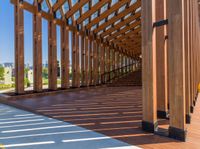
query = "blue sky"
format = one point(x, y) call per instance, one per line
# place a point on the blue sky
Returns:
point(7, 35)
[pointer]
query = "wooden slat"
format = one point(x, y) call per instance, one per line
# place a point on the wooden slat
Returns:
point(105, 14)
point(75, 8)
point(58, 5)
point(92, 10)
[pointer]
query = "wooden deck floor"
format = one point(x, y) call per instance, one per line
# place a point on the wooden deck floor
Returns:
point(113, 111)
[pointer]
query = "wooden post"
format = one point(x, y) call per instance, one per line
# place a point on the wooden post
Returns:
point(37, 52)
point(187, 63)
point(176, 53)
point(52, 55)
point(83, 60)
point(19, 49)
point(86, 62)
point(95, 62)
point(64, 57)
point(102, 63)
point(149, 88)
point(91, 62)
point(73, 60)
point(77, 60)
point(161, 61)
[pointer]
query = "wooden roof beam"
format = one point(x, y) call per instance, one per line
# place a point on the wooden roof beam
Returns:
point(106, 13)
point(58, 5)
point(121, 24)
point(92, 11)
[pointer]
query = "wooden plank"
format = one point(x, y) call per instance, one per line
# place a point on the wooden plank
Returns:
point(19, 49)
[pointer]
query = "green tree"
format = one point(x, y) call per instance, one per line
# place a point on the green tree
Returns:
point(1, 73)
point(45, 73)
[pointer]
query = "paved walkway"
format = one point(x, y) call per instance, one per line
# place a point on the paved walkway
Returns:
point(24, 130)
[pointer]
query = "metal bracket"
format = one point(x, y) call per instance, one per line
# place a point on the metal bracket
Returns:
point(160, 23)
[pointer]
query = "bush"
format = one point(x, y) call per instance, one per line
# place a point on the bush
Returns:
point(5, 86)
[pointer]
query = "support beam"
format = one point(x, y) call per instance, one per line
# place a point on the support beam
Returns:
point(19, 49)
point(87, 62)
point(37, 53)
point(64, 57)
point(102, 63)
point(73, 59)
point(52, 56)
point(176, 60)
point(83, 61)
point(161, 60)
point(91, 63)
point(95, 62)
point(149, 88)
point(77, 60)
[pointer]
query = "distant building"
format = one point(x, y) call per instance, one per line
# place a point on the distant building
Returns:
point(7, 75)
point(11, 65)
point(30, 76)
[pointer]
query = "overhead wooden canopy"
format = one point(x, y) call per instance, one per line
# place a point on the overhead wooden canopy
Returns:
point(114, 23)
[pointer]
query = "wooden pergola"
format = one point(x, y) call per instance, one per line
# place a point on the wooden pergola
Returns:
point(107, 26)
point(109, 34)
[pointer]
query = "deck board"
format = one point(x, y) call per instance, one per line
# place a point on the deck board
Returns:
point(113, 111)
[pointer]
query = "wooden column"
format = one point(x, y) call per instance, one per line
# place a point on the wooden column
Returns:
point(98, 63)
point(64, 57)
point(83, 60)
point(91, 62)
point(149, 88)
point(77, 60)
point(19, 49)
point(95, 62)
point(107, 63)
point(37, 52)
point(187, 62)
point(102, 63)
point(73, 60)
point(86, 62)
point(176, 61)
point(52, 55)
point(161, 60)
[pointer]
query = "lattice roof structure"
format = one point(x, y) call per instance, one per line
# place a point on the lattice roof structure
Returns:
point(114, 23)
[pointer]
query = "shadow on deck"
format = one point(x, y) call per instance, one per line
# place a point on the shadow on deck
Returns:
point(112, 111)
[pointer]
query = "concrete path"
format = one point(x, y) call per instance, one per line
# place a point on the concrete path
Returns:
point(24, 130)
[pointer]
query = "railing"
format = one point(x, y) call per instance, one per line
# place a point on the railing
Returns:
point(108, 77)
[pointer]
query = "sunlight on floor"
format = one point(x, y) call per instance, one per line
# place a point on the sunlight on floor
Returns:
point(23, 130)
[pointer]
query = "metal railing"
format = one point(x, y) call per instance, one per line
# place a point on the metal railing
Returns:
point(108, 77)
